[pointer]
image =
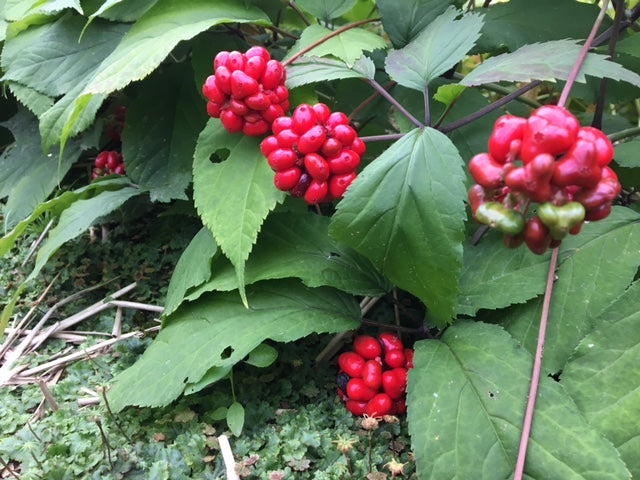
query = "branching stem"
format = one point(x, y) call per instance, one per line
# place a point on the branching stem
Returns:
point(327, 37)
point(378, 88)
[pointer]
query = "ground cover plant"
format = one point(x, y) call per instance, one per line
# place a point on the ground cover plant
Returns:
point(462, 174)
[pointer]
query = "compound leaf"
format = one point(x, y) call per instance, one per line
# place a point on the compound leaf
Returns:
point(442, 44)
point(405, 212)
point(466, 400)
point(325, 10)
point(403, 20)
point(307, 70)
point(533, 62)
point(218, 331)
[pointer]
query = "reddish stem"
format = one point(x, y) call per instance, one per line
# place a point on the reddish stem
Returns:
point(329, 36)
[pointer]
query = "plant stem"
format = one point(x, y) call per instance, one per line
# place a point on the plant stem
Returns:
point(631, 19)
point(394, 102)
point(537, 367)
point(383, 138)
point(367, 101)
point(629, 132)
point(583, 54)
point(327, 37)
point(296, 9)
point(489, 108)
point(427, 109)
point(544, 317)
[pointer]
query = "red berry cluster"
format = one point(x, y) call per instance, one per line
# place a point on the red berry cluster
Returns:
point(315, 153)
point(373, 379)
point(247, 91)
point(108, 163)
point(550, 160)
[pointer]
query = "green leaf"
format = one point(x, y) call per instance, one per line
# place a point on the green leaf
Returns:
point(448, 94)
point(193, 268)
point(627, 154)
point(495, 277)
point(233, 197)
point(36, 102)
point(219, 331)
point(325, 10)
point(603, 377)
point(348, 46)
point(533, 62)
point(511, 25)
point(52, 59)
point(403, 20)
point(595, 266)
point(213, 375)
point(56, 205)
point(629, 45)
point(158, 31)
point(466, 400)
point(262, 356)
point(406, 213)
point(77, 219)
point(69, 116)
point(438, 48)
point(27, 176)
point(164, 167)
point(307, 70)
point(118, 11)
point(298, 245)
point(235, 418)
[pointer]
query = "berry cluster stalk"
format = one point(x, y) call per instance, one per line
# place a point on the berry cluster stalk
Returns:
point(544, 317)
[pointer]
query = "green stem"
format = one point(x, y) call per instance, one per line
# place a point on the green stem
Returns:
point(327, 37)
point(622, 134)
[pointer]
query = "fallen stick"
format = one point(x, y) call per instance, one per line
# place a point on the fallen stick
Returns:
point(227, 456)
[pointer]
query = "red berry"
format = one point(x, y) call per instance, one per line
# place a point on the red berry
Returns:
point(322, 112)
point(550, 129)
point(357, 390)
point(345, 162)
point(101, 160)
point(317, 167)
point(336, 118)
point(312, 140)
point(212, 92)
point(534, 178)
point(604, 148)
point(394, 382)
point(598, 213)
point(390, 341)
point(273, 75)
point(231, 122)
point(235, 61)
point(255, 129)
point(273, 112)
point(281, 123)
point(367, 346)
point(220, 60)
point(268, 145)
point(506, 139)
point(287, 138)
point(113, 159)
point(358, 146)
point(331, 147)
point(604, 192)
point(355, 407)
point(486, 171)
point(408, 355)
point(300, 189)
point(345, 134)
point(258, 101)
point(352, 364)
point(579, 166)
point(119, 170)
point(254, 67)
point(282, 159)
point(394, 358)
point(238, 107)
point(287, 179)
point(316, 192)
point(372, 374)
point(281, 93)
point(400, 406)
point(258, 51)
point(213, 109)
point(338, 184)
point(379, 406)
point(242, 85)
point(536, 236)
point(304, 118)
point(223, 80)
